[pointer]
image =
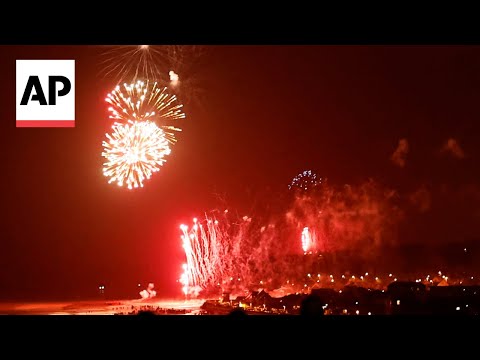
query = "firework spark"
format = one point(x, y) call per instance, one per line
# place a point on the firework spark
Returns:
point(306, 239)
point(305, 180)
point(134, 151)
point(145, 101)
point(184, 279)
point(203, 247)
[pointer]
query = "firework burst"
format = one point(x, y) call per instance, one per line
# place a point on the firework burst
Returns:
point(305, 180)
point(145, 101)
point(134, 151)
point(136, 61)
point(174, 66)
point(236, 253)
point(203, 246)
point(152, 62)
point(219, 255)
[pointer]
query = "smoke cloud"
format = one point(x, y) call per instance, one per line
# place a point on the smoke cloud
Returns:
point(400, 154)
point(149, 292)
point(245, 252)
point(421, 199)
point(453, 148)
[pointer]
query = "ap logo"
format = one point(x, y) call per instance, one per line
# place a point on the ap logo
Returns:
point(45, 93)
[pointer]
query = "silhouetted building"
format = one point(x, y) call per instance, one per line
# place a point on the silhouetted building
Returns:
point(455, 300)
point(237, 312)
point(326, 294)
point(406, 297)
point(312, 305)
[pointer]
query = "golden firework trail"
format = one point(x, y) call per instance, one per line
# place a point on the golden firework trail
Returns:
point(146, 101)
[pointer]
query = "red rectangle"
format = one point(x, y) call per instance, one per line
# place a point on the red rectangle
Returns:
point(46, 123)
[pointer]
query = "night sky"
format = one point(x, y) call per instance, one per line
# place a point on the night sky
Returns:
point(266, 113)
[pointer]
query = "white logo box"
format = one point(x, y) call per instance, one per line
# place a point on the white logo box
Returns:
point(46, 84)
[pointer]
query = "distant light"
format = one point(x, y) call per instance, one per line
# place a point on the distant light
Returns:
point(361, 277)
point(390, 275)
point(309, 275)
point(340, 291)
point(366, 274)
point(376, 278)
point(343, 276)
point(138, 285)
point(466, 305)
point(465, 249)
point(395, 279)
point(356, 302)
point(369, 313)
point(458, 308)
point(398, 302)
point(357, 312)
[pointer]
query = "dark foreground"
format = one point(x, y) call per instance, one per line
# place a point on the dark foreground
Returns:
point(409, 298)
